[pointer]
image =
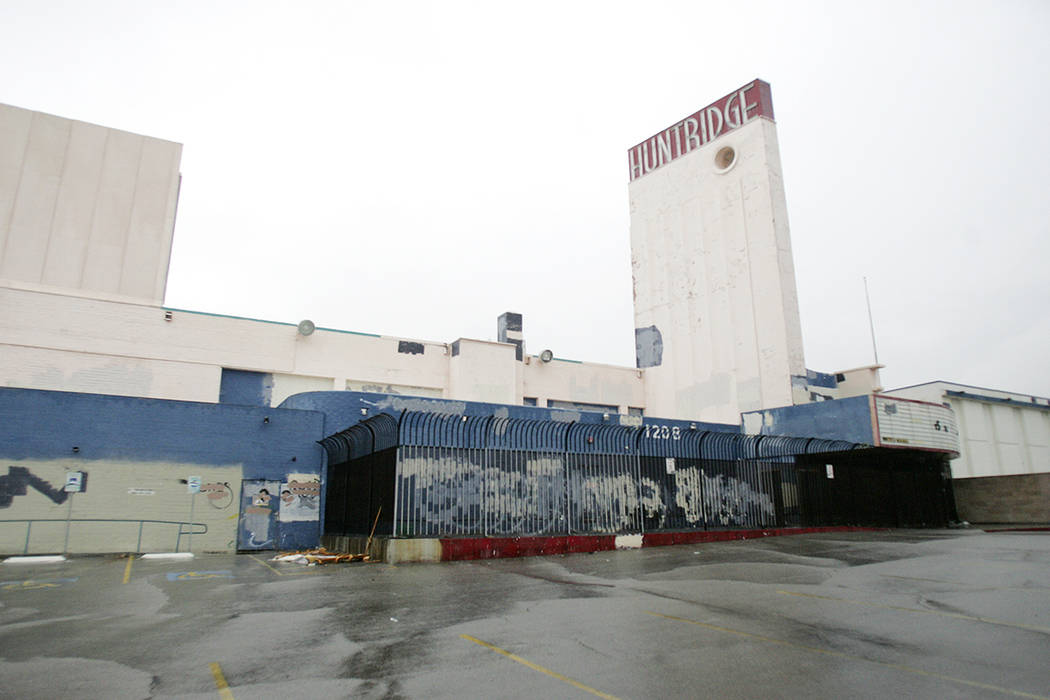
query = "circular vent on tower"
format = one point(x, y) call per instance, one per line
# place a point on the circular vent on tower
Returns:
point(725, 158)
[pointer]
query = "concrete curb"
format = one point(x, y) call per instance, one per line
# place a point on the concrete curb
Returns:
point(400, 551)
point(168, 555)
point(35, 559)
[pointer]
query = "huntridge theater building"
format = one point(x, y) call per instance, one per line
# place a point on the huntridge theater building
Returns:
point(133, 426)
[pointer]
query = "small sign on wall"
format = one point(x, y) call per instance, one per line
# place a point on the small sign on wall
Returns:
point(829, 469)
point(670, 465)
point(74, 482)
point(193, 484)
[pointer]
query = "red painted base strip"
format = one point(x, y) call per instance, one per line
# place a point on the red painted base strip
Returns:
point(659, 539)
point(461, 548)
point(457, 548)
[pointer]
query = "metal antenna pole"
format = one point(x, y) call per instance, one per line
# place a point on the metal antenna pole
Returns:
point(871, 322)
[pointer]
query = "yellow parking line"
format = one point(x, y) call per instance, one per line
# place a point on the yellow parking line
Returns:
point(282, 573)
point(127, 569)
point(958, 616)
point(842, 655)
point(220, 682)
point(541, 669)
point(266, 565)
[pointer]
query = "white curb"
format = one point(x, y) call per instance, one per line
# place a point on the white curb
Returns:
point(628, 541)
point(53, 559)
point(168, 555)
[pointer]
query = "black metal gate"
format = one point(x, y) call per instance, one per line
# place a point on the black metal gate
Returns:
point(877, 487)
point(444, 475)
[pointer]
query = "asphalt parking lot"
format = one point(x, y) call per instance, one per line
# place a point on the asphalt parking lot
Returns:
point(915, 613)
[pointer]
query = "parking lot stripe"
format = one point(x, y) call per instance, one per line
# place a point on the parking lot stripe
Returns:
point(958, 616)
point(220, 682)
point(843, 655)
point(541, 669)
point(127, 569)
point(282, 573)
point(266, 565)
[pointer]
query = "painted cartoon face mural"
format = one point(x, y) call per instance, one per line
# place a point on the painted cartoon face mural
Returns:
point(258, 511)
point(219, 495)
point(300, 499)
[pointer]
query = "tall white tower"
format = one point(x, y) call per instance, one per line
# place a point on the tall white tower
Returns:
point(716, 310)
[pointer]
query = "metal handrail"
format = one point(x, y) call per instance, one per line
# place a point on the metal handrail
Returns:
point(138, 545)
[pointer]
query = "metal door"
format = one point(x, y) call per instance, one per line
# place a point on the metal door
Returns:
point(260, 500)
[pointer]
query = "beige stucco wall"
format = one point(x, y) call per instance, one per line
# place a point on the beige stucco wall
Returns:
point(128, 491)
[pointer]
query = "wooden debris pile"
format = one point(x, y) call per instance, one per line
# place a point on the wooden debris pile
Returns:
point(313, 557)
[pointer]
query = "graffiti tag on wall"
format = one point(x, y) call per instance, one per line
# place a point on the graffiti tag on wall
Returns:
point(17, 482)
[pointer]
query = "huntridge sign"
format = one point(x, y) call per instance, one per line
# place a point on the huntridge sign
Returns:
point(734, 110)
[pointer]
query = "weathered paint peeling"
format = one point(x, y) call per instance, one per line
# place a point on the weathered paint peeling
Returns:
point(394, 403)
point(648, 347)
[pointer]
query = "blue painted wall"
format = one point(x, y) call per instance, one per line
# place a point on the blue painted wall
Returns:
point(239, 386)
point(842, 419)
point(343, 409)
point(268, 442)
point(821, 379)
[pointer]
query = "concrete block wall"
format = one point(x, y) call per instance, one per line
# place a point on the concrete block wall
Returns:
point(138, 455)
point(1020, 498)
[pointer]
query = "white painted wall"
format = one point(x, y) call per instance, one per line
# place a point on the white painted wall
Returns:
point(860, 381)
point(65, 370)
point(85, 208)
point(484, 371)
point(72, 343)
point(997, 438)
point(712, 265)
point(622, 387)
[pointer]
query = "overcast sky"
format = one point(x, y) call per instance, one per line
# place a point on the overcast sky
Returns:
point(415, 169)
